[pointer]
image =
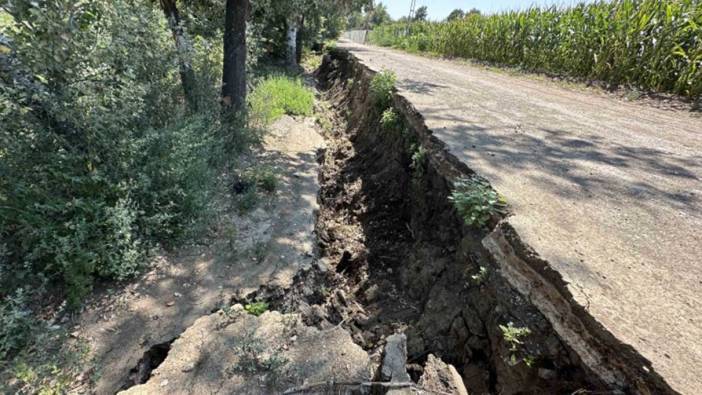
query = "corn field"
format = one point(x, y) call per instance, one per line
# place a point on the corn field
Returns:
point(653, 45)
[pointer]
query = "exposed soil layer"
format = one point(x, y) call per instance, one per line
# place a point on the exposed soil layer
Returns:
point(401, 260)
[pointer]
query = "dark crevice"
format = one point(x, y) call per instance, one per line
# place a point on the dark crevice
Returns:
point(152, 359)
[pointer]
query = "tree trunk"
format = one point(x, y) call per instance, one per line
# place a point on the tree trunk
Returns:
point(298, 40)
point(234, 71)
point(292, 43)
point(187, 75)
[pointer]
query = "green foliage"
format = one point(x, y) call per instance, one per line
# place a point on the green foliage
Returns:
point(481, 276)
point(514, 335)
point(476, 201)
point(650, 44)
point(266, 178)
point(277, 95)
point(99, 160)
point(389, 119)
point(256, 308)
point(248, 200)
point(49, 367)
point(16, 323)
point(419, 159)
point(381, 88)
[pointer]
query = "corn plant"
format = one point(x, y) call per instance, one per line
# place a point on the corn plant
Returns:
point(649, 44)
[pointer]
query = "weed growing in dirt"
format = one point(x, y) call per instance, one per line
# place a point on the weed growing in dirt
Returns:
point(381, 87)
point(481, 277)
point(250, 351)
point(50, 366)
point(476, 201)
point(390, 119)
point(278, 95)
point(514, 336)
point(267, 180)
point(248, 200)
point(256, 308)
point(419, 159)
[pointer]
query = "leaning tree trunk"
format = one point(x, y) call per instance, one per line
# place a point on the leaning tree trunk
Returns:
point(234, 71)
point(187, 75)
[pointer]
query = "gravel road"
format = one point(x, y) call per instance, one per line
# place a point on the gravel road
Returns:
point(607, 191)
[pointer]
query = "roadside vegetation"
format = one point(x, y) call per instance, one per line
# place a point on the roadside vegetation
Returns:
point(654, 45)
point(119, 123)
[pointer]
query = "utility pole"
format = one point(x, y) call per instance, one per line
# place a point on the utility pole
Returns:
point(413, 5)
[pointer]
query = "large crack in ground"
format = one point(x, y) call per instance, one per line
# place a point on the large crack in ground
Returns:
point(395, 257)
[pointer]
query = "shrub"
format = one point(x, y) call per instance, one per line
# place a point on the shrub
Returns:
point(278, 95)
point(381, 87)
point(98, 163)
point(476, 201)
point(16, 323)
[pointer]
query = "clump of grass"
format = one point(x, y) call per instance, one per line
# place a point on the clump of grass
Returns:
point(278, 95)
point(256, 308)
point(419, 159)
point(476, 201)
point(653, 44)
point(248, 200)
point(381, 87)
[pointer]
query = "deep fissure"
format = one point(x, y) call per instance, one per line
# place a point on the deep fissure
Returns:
point(404, 262)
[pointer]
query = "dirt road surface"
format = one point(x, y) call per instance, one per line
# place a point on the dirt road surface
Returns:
point(609, 192)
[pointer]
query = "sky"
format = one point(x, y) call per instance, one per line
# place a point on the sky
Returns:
point(439, 9)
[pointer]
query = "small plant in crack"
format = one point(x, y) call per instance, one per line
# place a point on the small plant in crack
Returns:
point(476, 201)
point(419, 160)
point(481, 276)
point(256, 308)
point(381, 87)
point(250, 352)
point(514, 336)
point(390, 120)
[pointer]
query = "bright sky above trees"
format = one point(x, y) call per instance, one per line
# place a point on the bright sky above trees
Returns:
point(439, 9)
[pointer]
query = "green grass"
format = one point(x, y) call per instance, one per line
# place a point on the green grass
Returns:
point(277, 95)
point(256, 308)
point(654, 45)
